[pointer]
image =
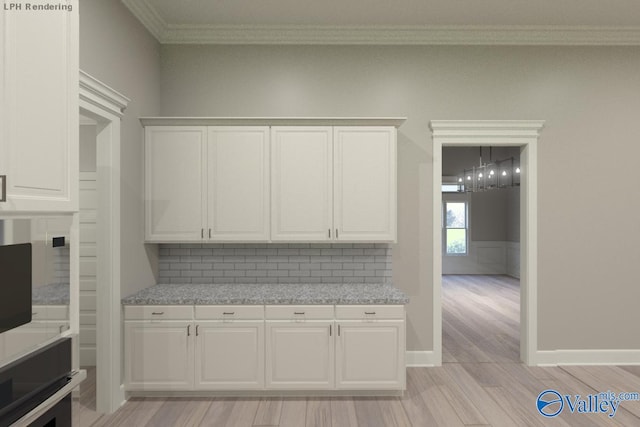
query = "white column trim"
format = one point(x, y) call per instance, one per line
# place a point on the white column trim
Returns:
point(104, 105)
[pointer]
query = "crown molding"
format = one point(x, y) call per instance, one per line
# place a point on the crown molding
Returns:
point(273, 121)
point(97, 93)
point(148, 16)
point(536, 35)
point(436, 35)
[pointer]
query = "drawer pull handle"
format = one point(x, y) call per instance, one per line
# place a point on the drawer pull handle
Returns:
point(329, 330)
point(298, 312)
point(4, 188)
point(158, 313)
point(188, 330)
point(229, 313)
point(369, 312)
point(197, 326)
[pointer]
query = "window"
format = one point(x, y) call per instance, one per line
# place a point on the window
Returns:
point(455, 228)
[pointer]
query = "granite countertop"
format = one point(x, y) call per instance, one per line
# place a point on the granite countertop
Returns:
point(218, 294)
point(53, 294)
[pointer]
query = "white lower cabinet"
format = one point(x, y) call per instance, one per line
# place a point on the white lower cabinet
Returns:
point(370, 355)
point(229, 355)
point(158, 355)
point(179, 348)
point(300, 355)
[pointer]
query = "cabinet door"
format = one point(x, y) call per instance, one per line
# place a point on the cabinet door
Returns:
point(301, 193)
point(300, 355)
point(39, 108)
point(229, 355)
point(175, 183)
point(238, 183)
point(370, 355)
point(365, 183)
point(158, 355)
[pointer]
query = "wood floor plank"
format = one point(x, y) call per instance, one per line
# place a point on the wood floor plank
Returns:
point(268, 412)
point(414, 403)
point(180, 412)
point(343, 413)
point(368, 412)
point(393, 413)
point(137, 412)
point(491, 411)
point(293, 412)
point(218, 412)
point(468, 413)
point(318, 412)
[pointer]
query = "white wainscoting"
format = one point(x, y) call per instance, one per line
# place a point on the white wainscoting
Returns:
point(88, 268)
point(513, 259)
point(487, 257)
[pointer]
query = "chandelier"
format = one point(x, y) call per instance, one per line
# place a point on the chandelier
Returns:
point(503, 173)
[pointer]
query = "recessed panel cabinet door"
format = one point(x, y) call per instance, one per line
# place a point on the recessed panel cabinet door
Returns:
point(300, 355)
point(159, 355)
point(39, 108)
point(370, 355)
point(301, 192)
point(229, 355)
point(175, 182)
point(365, 183)
point(238, 183)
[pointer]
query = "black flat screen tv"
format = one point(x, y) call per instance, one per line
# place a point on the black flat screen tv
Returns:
point(15, 286)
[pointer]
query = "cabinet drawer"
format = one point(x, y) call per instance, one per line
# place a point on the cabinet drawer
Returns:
point(300, 312)
point(370, 312)
point(210, 312)
point(158, 312)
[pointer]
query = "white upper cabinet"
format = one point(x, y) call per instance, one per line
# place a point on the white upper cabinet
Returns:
point(238, 183)
point(175, 182)
point(262, 180)
point(39, 108)
point(365, 183)
point(301, 194)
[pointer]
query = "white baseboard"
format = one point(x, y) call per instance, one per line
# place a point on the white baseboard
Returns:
point(419, 359)
point(587, 357)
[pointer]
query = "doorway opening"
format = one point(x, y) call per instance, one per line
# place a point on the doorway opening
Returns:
point(510, 133)
point(480, 255)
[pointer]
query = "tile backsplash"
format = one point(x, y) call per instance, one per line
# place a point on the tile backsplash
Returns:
point(275, 263)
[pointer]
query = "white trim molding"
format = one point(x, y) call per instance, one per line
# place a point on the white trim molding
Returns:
point(102, 96)
point(588, 357)
point(420, 359)
point(522, 133)
point(532, 35)
point(104, 105)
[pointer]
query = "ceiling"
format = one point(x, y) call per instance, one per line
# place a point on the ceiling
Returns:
point(191, 21)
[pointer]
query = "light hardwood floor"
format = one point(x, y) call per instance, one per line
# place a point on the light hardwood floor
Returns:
point(481, 382)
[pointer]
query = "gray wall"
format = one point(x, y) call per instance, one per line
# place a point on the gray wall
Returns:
point(116, 49)
point(88, 148)
point(587, 95)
